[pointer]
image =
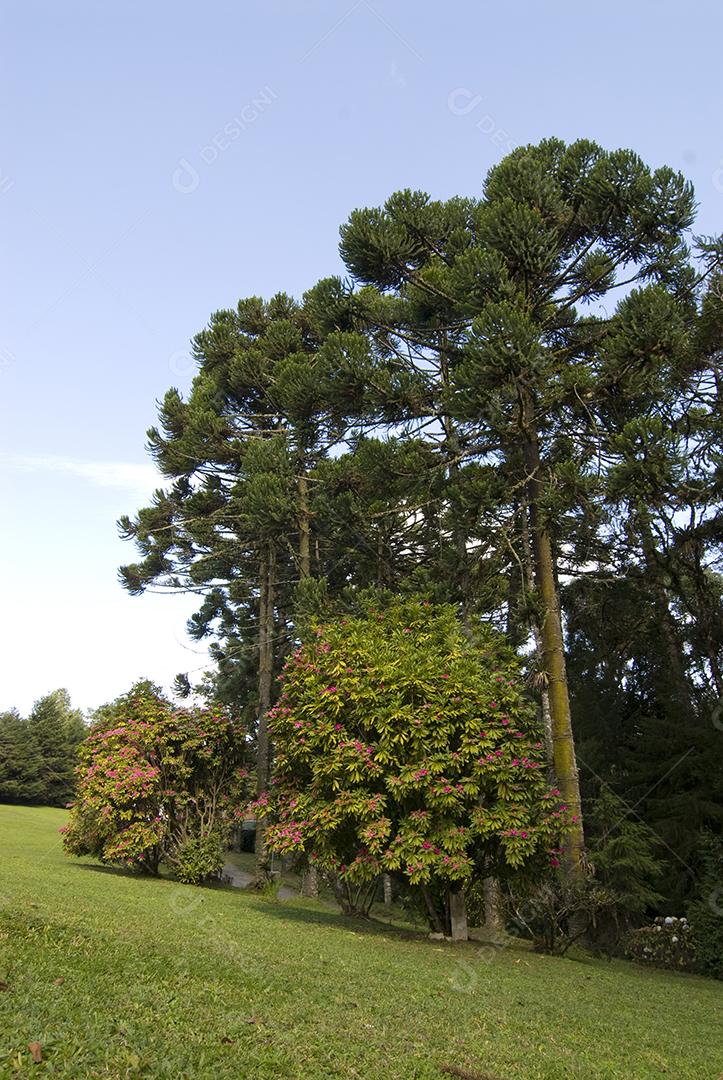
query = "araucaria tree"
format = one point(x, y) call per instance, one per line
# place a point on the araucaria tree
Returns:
point(158, 784)
point(483, 303)
point(403, 746)
point(513, 406)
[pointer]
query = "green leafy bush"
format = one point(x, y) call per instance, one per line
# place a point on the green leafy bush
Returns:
point(666, 943)
point(199, 858)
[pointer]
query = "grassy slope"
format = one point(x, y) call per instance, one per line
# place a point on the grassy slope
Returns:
point(162, 980)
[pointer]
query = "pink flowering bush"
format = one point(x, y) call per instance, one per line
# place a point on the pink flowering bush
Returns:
point(157, 783)
point(402, 747)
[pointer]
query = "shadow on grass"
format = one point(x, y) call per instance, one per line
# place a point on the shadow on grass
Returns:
point(122, 871)
point(290, 911)
point(118, 871)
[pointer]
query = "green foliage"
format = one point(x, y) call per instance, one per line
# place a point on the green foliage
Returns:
point(198, 859)
point(20, 761)
point(59, 730)
point(531, 370)
point(158, 783)
point(626, 856)
point(38, 755)
point(706, 911)
point(559, 910)
point(402, 746)
point(666, 943)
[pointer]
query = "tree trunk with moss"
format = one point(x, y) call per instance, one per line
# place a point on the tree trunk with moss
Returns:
point(266, 671)
point(552, 643)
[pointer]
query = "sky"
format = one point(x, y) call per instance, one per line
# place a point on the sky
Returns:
point(160, 161)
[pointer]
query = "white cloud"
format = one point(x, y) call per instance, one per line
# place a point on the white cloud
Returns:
point(109, 474)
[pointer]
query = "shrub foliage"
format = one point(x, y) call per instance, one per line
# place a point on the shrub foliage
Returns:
point(157, 783)
point(405, 747)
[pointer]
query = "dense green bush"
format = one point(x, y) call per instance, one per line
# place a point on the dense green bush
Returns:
point(198, 859)
point(666, 943)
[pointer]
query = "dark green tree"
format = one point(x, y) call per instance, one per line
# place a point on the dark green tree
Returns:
point(58, 730)
point(20, 761)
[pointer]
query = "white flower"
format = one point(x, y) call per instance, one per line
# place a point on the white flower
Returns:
point(669, 920)
point(674, 939)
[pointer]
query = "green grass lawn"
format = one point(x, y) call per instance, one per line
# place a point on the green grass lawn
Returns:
point(120, 976)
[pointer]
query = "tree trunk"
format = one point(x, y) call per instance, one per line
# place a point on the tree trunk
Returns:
point(266, 670)
point(310, 883)
point(304, 529)
point(553, 653)
point(491, 895)
point(528, 578)
point(459, 534)
point(458, 916)
point(387, 884)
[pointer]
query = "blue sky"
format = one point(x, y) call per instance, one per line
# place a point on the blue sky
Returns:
point(159, 161)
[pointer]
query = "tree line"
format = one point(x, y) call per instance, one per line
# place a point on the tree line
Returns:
point(512, 404)
point(38, 754)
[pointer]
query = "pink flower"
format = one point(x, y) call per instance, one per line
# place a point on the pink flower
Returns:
point(426, 845)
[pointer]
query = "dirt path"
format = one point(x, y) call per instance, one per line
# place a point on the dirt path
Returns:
point(241, 879)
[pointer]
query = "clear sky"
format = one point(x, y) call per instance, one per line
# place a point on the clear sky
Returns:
point(160, 160)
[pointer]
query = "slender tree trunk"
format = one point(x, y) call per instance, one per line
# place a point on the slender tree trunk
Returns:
point(266, 670)
point(459, 534)
point(553, 653)
point(310, 875)
point(387, 884)
point(304, 528)
point(528, 577)
point(434, 918)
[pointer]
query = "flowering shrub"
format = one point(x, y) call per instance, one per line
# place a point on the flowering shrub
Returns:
point(666, 943)
point(403, 747)
point(157, 783)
